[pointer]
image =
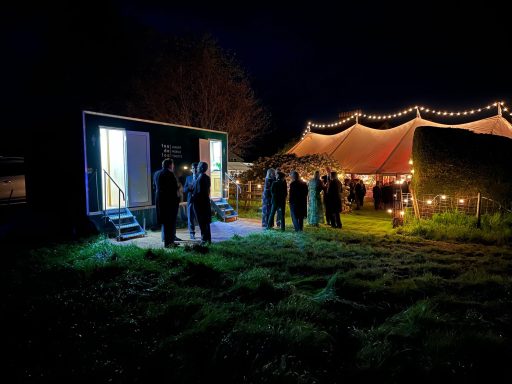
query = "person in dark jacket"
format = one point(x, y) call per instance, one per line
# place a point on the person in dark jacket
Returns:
point(167, 201)
point(334, 190)
point(279, 192)
point(298, 201)
point(266, 205)
point(188, 188)
point(360, 193)
point(325, 182)
point(201, 202)
point(377, 196)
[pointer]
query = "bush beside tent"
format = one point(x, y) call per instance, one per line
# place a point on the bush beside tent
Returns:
point(462, 163)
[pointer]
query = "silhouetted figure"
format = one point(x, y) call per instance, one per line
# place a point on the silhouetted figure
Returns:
point(325, 184)
point(201, 202)
point(387, 196)
point(266, 205)
point(298, 201)
point(377, 195)
point(188, 188)
point(167, 197)
point(278, 218)
point(360, 193)
point(279, 193)
point(352, 192)
point(334, 200)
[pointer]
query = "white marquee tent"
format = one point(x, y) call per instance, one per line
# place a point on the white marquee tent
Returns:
point(363, 150)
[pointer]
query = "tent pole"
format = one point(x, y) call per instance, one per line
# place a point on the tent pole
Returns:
point(499, 108)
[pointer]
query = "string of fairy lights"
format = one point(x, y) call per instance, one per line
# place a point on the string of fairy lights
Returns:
point(416, 109)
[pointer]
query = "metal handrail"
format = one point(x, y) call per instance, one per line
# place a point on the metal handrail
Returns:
point(238, 189)
point(105, 173)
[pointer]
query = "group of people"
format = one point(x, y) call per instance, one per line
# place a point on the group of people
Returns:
point(168, 197)
point(357, 192)
point(305, 200)
point(383, 194)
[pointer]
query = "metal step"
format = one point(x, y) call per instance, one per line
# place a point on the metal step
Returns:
point(122, 217)
point(115, 211)
point(131, 235)
point(129, 225)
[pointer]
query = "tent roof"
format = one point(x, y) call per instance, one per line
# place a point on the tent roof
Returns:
point(363, 150)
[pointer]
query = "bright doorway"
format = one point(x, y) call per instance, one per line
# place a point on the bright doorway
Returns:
point(125, 157)
point(210, 151)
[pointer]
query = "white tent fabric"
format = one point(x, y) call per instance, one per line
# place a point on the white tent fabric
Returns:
point(363, 150)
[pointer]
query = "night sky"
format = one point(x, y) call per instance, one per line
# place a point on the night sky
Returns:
point(304, 62)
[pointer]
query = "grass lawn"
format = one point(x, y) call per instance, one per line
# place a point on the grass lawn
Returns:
point(357, 305)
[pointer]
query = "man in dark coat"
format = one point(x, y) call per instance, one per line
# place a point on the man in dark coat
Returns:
point(298, 201)
point(325, 182)
point(188, 188)
point(360, 193)
point(334, 200)
point(266, 205)
point(201, 202)
point(377, 195)
point(167, 201)
point(279, 192)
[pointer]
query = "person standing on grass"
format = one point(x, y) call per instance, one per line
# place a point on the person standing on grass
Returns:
point(315, 207)
point(334, 200)
point(360, 193)
point(188, 188)
point(279, 193)
point(201, 202)
point(298, 201)
point(278, 219)
point(167, 201)
point(377, 196)
point(266, 205)
point(325, 185)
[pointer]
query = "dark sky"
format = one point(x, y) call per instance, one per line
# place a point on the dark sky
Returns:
point(305, 62)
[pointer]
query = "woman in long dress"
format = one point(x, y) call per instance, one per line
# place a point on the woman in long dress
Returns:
point(267, 197)
point(315, 206)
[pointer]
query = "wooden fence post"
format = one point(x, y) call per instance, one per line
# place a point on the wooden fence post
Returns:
point(478, 206)
point(415, 204)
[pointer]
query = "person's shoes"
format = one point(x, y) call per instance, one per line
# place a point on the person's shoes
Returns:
point(192, 236)
point(176, 238)
point(172, 245)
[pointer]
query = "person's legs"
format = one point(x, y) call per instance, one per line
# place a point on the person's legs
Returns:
point(204, 225)
point(270, 222)
point(280, 214)
point(207, 231)
point(338, 220)
point(191, 221)
point(333, 220)
point(295, 219)
point(168, 234)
